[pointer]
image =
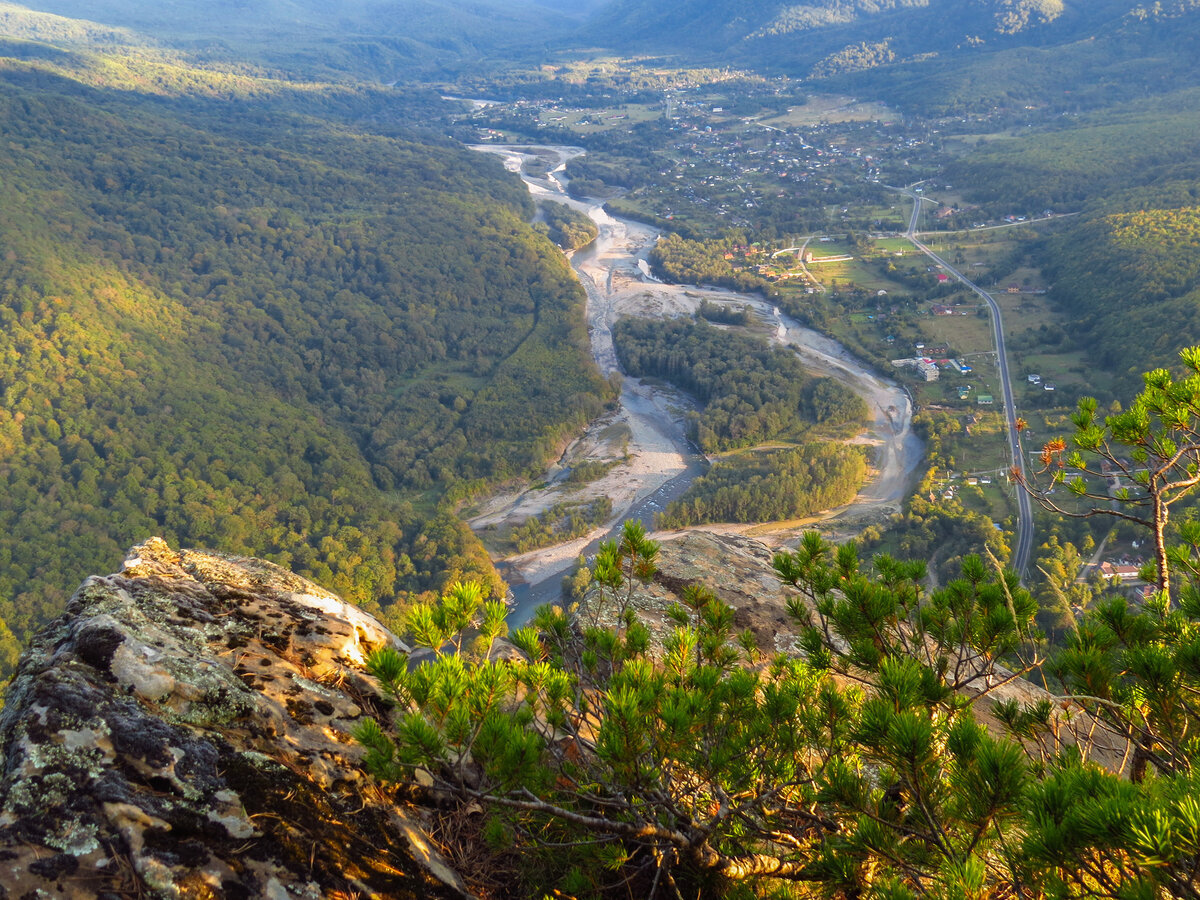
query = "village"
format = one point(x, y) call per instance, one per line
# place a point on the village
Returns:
point(812, 187)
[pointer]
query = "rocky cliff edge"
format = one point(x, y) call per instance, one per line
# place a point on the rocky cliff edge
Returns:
point(183, 731)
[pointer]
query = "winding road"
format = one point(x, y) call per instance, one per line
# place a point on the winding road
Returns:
point(1024, 543)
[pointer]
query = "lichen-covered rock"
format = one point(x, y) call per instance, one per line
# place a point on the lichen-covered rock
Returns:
point(184, 731)
point(737, 568)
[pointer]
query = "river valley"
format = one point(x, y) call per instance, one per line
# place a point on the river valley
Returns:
point(646, 436)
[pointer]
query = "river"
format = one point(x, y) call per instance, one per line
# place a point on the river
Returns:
point(615, 273)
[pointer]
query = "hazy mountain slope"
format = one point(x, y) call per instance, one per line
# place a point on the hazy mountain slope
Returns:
point(426, 20)
point(293, 346)
point(796, 36)
point(382, 40)
point(1134, 55)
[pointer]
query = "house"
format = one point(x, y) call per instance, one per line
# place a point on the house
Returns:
point(1119, 572)
point(1034, 379)
point(1048, 386)
point(985, 400)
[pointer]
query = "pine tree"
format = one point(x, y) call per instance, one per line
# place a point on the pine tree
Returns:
point(862, 767)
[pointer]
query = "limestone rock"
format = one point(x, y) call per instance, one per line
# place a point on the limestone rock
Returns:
point(737, 568)
point(183, 731)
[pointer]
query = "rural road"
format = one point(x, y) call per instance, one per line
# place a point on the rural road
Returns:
point(1024, 543)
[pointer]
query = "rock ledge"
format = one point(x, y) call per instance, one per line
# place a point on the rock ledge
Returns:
point(184, 731)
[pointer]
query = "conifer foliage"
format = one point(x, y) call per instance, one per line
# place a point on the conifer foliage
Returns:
point(900, 754)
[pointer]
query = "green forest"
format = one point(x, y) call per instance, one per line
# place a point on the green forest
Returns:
point(770, 486)
point(1142, 267)
point(567, 227)
point(685, 261)
point(562, 522)
point(751, 393)
point(299, 348)
point(1086, 161)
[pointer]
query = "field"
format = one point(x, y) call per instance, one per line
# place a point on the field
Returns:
point(895, 245)
point(857, 271)
point(823, 108)
point(592, 120)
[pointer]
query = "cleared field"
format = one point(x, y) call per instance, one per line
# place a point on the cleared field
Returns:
point(589, 121)
point(1024, 311)
point(980, 448)
point(822, 108)
point(965, 335)
point(859, 271)
point(895, 245)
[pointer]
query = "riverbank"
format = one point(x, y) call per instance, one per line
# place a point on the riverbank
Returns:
point(646, 438)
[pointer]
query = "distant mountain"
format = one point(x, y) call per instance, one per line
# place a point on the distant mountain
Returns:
point(420, 19)
point(845, 34)
point(379, 39)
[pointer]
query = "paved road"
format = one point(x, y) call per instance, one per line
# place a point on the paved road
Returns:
point(1024, 545)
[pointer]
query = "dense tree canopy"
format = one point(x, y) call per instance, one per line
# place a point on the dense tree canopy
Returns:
point(752, 393)
point(771, 486)
point(295, 348)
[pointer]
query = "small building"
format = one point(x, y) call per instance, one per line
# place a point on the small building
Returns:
point(985, 400)
point(1034, 379)
point(1048, 386)
point(1120, 572)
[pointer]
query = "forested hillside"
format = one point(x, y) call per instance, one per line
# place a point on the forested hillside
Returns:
point(1089, 162)
point(1133, 281)
point(376, 40)
point(1125, 270)
point(797, 37)
point(291, 346)
point(724, 23)
point(931, 56)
